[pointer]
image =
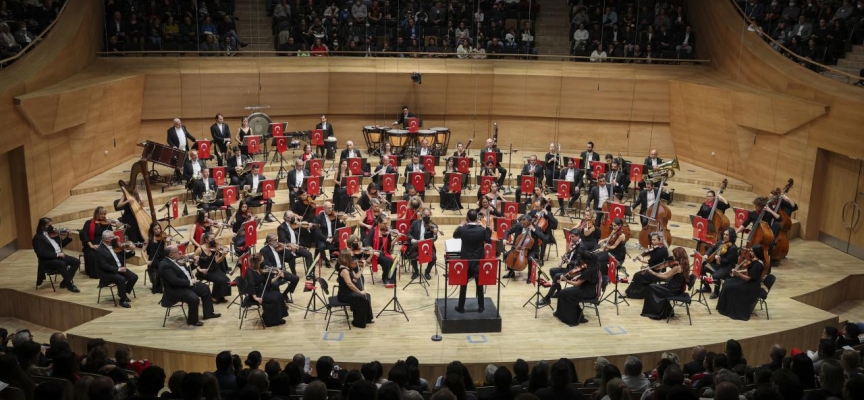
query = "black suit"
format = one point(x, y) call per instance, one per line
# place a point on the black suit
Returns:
point(413, 253)
point(294, 183)
point(220, 136)
point(328, 131)
point(502, 172)
point(321, 234)
point(174, 140)
point(270, 255)
point(619, 184)
point(534, 252)
point(594, 196)
point(648, 164)
point(474, 237)
point(344, 154)
point(179, 288)
point(538, 174)
point(232, 168)
point(403, 119)
point(390, 170)
point(198, 189)
point(415, 168)
point(720, 270)
point(594, 157)
point(49, 262)
point(285, 237)
point(258, 201)
point(109, 271)
point(642, 203)
point(574, 186)
point(187, 168)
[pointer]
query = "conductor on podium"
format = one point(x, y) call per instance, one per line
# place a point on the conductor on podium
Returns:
point(473, 236)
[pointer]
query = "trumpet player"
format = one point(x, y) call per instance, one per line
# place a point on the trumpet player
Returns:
point(275, 255)
point(289, 233)
point(236, 163)
point(422, 229)
point(111, 258)
point(192, 167)
point(204, 192)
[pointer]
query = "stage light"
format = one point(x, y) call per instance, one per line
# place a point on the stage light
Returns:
point(416, 77)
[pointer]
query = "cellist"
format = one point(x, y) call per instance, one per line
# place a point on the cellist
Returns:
point(542, 210)
point(522, 232)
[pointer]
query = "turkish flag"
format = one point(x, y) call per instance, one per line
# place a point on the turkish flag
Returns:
point(413, 124)
point(567, 237)
point(402, 226)
point(281, 144)
point(502, 225)
point(203, 149)
point(598, 168)
point(278, 129)
point(510, 209)
point(457, 272)
point(563, 189)
point(454, 182)
point(218, 174)
point(636, 171)
point(488, 250)
point(429, 164)
point(342, 234)
point(700, 229)
point(418, 180)
point(317, 137)
point(253, 143)
point(612, 270)
point(463, 165)
point(485, 182)
point(250, 229)
point(401, 209)
point(394, 160)
point(355, 165)
point(175, 208)
point(315, 166)
point(740, 216)
point(490, 156)
point(488, 273)
point(698, 260)
point(388, 183)
point(313, 185)
point(229, 195)
point(616, 210)
point(526, 183)
point(352, 185)
point(121, 237)
point(244, 264)
point(268, 188)
point(425, 251)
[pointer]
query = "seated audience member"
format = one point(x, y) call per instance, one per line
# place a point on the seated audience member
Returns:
point(150, 383)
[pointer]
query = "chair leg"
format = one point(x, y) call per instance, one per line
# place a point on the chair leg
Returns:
point(348, 320)
point(167, 313)
point(597, 311)
point(328, 314)
point(243, 312)
point(183, 309)
point(51, 279)
point(261, 317)
point(767, 315)
point(687, 306)
point(113, 299)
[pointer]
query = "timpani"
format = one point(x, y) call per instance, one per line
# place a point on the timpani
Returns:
point(442, 138)
point(372, 135)
point(398, 138)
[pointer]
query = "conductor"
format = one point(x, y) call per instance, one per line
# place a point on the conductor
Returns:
point(473, 238)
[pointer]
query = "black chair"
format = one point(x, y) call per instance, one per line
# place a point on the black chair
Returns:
point(51, 277)
point(595, 303)
point(246, 302)
point(763, 295)
point(12, 393)
point(683, 299)
point(333, 302)
point(109, 287)
point(168, 312)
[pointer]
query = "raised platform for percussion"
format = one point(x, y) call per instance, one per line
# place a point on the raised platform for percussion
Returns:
point(470, 321)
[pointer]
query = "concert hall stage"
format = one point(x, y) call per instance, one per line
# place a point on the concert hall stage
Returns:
point(471, 321)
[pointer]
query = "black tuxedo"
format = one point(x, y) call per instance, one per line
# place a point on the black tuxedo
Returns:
point(328, 132)
point(109, 271)
point(413, 253)
point(403, 119)
point(648, 165)
point(474, 237)
point(270, 255)
point(390, 170)
point(320, 234)
point(198, 190)
point(179, 288)
point(258, 201)
point(174, 140)
point(429, 152)
point(66, 266)
point(595, 156)
point(220, 136)
point(344, 154)
point(294, 183)
point(619, 184)
point(574, 186)
point(642, 203)
point(187, 168)
point(232, 168)
point(594, 196)
point(285, 237)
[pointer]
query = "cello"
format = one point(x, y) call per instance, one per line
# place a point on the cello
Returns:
point(658, 220)
point(517, 260)
point(719, 220)
point(781, 242)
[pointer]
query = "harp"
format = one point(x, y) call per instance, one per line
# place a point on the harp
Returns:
point(139, 172)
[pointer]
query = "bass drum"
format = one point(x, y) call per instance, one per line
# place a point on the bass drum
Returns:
point(259, 124)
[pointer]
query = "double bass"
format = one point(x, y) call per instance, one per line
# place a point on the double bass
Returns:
point(781, 242)
point(658, 220)
point(719, 220)
point(760, 234)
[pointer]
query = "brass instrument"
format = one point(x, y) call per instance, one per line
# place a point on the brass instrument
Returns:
point(665, 170)
point(495, 137)
point(207, 198)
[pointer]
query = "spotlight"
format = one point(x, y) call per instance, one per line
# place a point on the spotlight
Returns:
point(416, 77)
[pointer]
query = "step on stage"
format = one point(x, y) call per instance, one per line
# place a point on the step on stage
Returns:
point(470, 321)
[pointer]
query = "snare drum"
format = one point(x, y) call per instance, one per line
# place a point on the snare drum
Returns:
point(330, 146)
point(442, 137)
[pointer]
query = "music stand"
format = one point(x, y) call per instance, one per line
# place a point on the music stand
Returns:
point(246, 141)
point(535, 298)
point(420, 279)
point(618, 297)
point(312, 305)
point(397, 306)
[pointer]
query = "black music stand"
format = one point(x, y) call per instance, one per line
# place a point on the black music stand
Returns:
point(618, 297)
point(420, 279)
point(283, 173)
point(312, 305)
point(453, 204)
point(535, 298)
point(169, 228)
point(397, 306)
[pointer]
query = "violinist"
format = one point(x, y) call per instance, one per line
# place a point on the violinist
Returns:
point(340, 193)
point(289, 234)
point(741, 291)
point(647, 198)
point(274, 254)
point(552, 161)
point(328, 223)
point(614, 245)
point(494, 197)
point(373, 192)
point(672, 282)
point(203, 224)
point(657, 255)
point(307, 153)
point(111, 258)
point(523, 230)
point(236, 164)
point(262, 286)
point(154, 253)
point(295, 180)
point(569, 261)
point(252, 184)
point(213, 267)
point(368, 221)
point(381, 241)
point(351, 291)
point(48, 245)
point(617, 179)
point(599, 195)
point(493, 168)
point(706, 207)
point(721, 260)
point(474, 237)
point(574, 176)
point(531, 169)
point(305, 206)
point(385, 167)
point(486, 213)
point(587, 285)
point(422, 229)
point(180, 286)
point(133, 233)
point(414, 166)
point(588, 231)
point(91, 237)
point(241, 216)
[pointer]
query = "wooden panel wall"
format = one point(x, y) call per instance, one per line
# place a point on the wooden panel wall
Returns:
point(7, 203)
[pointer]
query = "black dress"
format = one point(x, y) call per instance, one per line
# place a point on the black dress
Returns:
point(569, 311)
point(638, 288)
point(340, 196)
point(656, 306)
point(217, 274)
point(244, 150)
point(155, 253)
point(361, 305)
point(91, 233)
point(274, 306)
point(133, 233)
point(738, 297)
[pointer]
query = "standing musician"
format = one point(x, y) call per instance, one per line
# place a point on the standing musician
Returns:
point(588, 155)
point(212, 267)
point(710, 197)
point(221, 134)
point(422, 229)
point(403, 118)
point(574, 176)
point(588, 231)
point(721, 259)
point(493, 168)
point(48, 245)
point(531, 169)
point(370, 218)
point(236, 165)
point(672, 282)
point(289, 233)
point(192, 167)
point(351, 290)
point(340, 194)
point(181, 287)
point(307, 153)
point(414, 166)
point(242, 132)
point(540, 209)
point(386, 167)
point(426, 150)
point(201, 186)
point(349, 152)
point(305, 206)
point(586, 285)
point(327, 129)
point(262, 287)
point(381, 241)
point(451, 200)
point(526, 227)
point(741, 291)
point(133, 233)
point(178, 136)
point(295, 180)
point(614, 245)
point(112, 267)
point(647, 198)
point(91, 236)
point(328, 222)
point(599, 195)
point(569, 260)
point(274, 254)
point(474, 237)
point(617, 179)
point(552, 163)
point(252, 184)
point(154, 253)
point(658, 254)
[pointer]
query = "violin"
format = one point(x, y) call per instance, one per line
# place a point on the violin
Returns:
point(647, 252)
point(574, 273)
point(125, 246)
point(664, 264)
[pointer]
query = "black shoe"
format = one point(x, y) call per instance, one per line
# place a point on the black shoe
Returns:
point(414, 276)
point(543, 302)
point(199, 323)
point(244, 44)
point(509, 275)
point(73, 289)
point(714, 295)
point(214, 315)
point(481, 309)
point(460, 309)
point(125, 304)
point(528, 281)
point(428, 276)
point(583, 320)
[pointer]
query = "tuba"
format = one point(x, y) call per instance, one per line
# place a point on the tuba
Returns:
point(665, 170)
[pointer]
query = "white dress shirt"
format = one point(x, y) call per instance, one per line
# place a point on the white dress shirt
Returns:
point(181, 137)
point(57, 248)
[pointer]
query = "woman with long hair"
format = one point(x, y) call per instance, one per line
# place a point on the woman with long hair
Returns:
point(587, 285)
point(242, 132)
point(266, 293)
point(213, 267)
point(349, 292)
point(154, 253)
point(673, 283)
point(91, 238)
point(340, 194)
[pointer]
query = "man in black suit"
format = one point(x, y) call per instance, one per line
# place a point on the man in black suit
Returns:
point(221, 134)
point(291, 237)
point(574, 176)
point(112, 267)
point(474, 237)
point(387, 167)
point(414, 166)
point(327, 128)
point(252, 183)
point(588, 155)
point(698, 364)
point(48, 245)
point(403, 118)
point(525, 226)
point(349, 152)
point(599, 195)
point(418, 231)
point(236, 160)
point(425, 149)
point(496, 167)
point(531, 168)
point(647, 198)
point(542, 208)
point(617, 179)
point(652, 161)
point(192, 167)
point(180, 286)
point(325, 232)
point(203, 185)
point(276, 259)
point(295, 180)
point(178, 136)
